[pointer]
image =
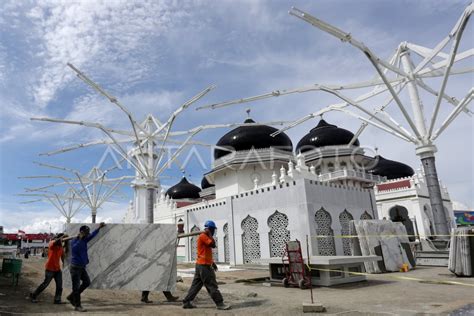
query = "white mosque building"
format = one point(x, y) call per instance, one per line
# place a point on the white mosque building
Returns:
point(261, 194)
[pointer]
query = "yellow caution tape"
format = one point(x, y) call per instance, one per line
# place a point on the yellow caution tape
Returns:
point(386, 235)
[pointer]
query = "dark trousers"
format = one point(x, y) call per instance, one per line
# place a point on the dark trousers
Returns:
point(78, 274)
point(48, 276)
point(206, 276)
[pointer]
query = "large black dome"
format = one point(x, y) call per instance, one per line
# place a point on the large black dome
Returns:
point(325, 134)
point(391, 169)
point(183, 190)
point(248, 137)
point(205, 184)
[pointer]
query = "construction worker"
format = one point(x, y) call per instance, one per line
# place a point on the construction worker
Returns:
point(79, 261)
point(52, 269)
point(205, 270)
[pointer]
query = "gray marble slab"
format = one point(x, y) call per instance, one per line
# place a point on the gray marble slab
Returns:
point(130, 257)
point(385, 235)
point(460, 252)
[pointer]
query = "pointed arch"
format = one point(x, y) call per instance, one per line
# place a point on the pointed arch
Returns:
point(279, 235)
point(226, 243)
point(344, 219)
point(365, 216)
point(326, 246)
point(250, 239)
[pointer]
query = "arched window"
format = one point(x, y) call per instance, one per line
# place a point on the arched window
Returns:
point(279, 235)
point(365, 215)
point(326, 246)
point(194, 243)
point(344, 218)
point(215, 251)
point(343, 165)
point(330, 167)
point(250, 240)
point(399, 213)
point(226, 243)
point(318, 170)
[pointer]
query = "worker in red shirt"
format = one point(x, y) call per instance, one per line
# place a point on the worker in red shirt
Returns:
point(205, 270)
point(53, 269)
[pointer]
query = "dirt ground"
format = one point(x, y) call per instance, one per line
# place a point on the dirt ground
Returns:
point(380, 295)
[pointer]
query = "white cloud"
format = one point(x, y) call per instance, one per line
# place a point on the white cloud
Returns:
point(107, 36)
point(36, 218)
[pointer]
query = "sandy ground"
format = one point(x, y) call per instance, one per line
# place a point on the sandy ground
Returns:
point(380, 295)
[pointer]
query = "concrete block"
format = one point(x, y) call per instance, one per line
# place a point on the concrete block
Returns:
point(315, 307)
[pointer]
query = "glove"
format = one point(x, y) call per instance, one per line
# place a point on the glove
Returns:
point(214, 266)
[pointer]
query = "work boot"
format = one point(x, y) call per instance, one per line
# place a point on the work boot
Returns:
point(146, 300)
point(33, 298)
point(187, 305)
point(69, 298)
point(145, 297)
point(223, 306)
point(170, 297)
point(80, 309)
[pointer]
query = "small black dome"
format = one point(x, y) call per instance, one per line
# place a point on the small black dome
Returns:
point(391, 169)
point(325, 134)
point(248, 137)
point(183, 190)
point(205, 184)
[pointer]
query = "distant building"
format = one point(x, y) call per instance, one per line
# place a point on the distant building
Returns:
point(31, 241)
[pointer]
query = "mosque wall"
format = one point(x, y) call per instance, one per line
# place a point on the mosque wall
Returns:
point(255, 225)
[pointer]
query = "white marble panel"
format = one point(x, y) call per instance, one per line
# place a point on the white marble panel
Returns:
point(386, 234)
point(130, 257)
point(460, 252)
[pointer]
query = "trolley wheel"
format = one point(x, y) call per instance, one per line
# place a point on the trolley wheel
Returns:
point(302, 284)
point(285, 282)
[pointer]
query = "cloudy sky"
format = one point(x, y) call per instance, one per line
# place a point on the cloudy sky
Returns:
point(154, 55)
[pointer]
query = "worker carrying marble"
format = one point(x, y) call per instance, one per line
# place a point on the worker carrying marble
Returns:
point(53, 268)
point(205, 270)
point(79, 261)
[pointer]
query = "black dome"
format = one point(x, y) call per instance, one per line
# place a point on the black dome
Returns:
point(391, 169)
point(248, 137)
point(325, 134)
point(183, 190)
point(205, 184)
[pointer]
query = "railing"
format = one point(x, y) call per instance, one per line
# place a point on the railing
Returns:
point(359, 175)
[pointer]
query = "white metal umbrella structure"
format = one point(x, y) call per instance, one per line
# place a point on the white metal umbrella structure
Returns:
point(392, 76)
point(151, 140)
point(94, 188)
point(68, 204)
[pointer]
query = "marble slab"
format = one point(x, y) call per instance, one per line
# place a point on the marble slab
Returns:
point(461, 260)
point(381, 237)
point(130, 257)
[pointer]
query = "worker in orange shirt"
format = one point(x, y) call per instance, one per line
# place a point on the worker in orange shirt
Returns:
point(205, 270)
point(53, 269)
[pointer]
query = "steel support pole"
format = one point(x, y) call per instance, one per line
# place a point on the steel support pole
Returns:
point(440, 217)
point(94, 214)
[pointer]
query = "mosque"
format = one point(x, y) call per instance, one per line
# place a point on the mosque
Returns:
point(262, 191)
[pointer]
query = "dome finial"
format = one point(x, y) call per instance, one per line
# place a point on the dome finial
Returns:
point(376, 150)
point(248, 112)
